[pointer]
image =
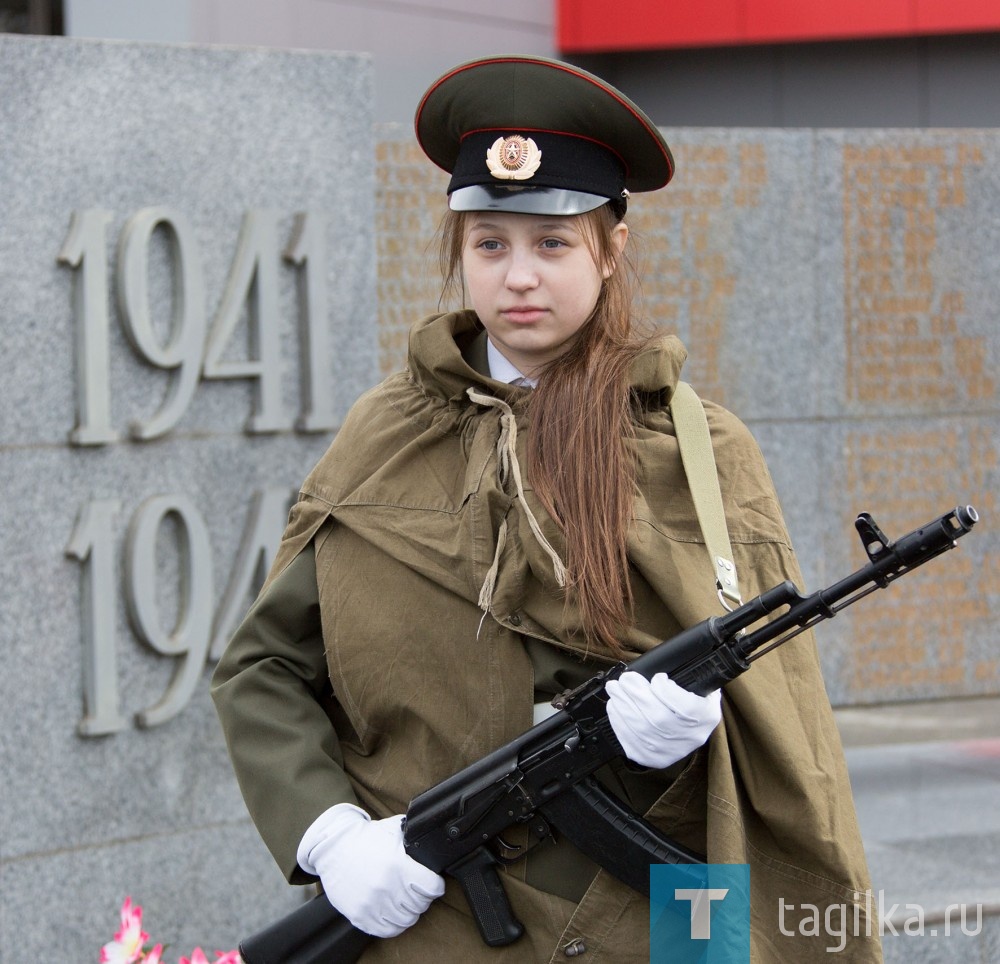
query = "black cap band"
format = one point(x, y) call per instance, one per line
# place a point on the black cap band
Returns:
point(563, 161)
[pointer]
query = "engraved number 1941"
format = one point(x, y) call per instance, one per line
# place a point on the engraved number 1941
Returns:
point(193, 348)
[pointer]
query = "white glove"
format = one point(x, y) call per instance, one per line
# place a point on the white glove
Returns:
point(659, 722)
point(366, 873)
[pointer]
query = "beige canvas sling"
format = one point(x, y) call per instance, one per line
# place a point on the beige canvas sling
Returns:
point(695, 444)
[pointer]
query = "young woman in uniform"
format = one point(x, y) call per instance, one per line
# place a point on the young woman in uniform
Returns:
point(502, 520)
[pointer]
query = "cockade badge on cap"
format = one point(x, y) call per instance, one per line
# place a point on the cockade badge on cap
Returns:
point(513, 158)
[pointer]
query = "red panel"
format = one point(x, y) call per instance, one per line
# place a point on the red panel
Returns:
point(781, 20)
point(636, 24)
point(957, 16)
point(608, 25)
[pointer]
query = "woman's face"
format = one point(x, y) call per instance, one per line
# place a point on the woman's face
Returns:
point(533, 281)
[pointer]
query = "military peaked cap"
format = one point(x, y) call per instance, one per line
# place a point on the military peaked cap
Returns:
point(538, 136)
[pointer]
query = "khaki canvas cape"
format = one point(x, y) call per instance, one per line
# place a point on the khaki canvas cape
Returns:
point(435, 563)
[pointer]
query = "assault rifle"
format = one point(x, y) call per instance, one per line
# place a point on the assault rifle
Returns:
point(545, 777)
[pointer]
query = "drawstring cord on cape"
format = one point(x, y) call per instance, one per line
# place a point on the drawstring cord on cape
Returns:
point(508, 466)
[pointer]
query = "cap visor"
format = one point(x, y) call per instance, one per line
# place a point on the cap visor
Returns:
point(524, 200)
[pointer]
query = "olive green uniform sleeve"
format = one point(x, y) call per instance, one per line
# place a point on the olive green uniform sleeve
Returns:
point(269, 690)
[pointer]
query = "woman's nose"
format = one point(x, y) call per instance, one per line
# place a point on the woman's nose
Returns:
point(521, 274)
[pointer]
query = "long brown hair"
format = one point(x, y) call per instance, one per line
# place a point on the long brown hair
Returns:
point(580, 422)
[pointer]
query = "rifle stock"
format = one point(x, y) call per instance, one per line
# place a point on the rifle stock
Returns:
point(314, 933)
point(544, 777)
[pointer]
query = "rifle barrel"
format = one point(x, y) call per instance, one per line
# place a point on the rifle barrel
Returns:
point(888, 561)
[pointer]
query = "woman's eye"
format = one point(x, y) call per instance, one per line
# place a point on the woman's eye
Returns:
point(553, 243)
point(490, 245)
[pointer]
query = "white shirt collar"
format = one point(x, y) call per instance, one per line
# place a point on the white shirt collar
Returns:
point(503, 371)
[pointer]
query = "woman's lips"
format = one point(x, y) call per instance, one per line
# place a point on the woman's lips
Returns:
point(523, 315)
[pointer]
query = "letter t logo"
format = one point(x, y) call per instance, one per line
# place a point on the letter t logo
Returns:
point(699, 912)
point(701, 908)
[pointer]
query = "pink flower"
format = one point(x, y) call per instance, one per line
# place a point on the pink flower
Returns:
point(128, 945)
point(197, 957)
point(126, 948)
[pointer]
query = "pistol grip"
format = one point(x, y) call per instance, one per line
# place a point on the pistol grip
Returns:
point(477, 873)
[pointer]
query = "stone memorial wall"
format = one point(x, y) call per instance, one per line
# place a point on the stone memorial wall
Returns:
point(207, 253)
point(187, 277)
